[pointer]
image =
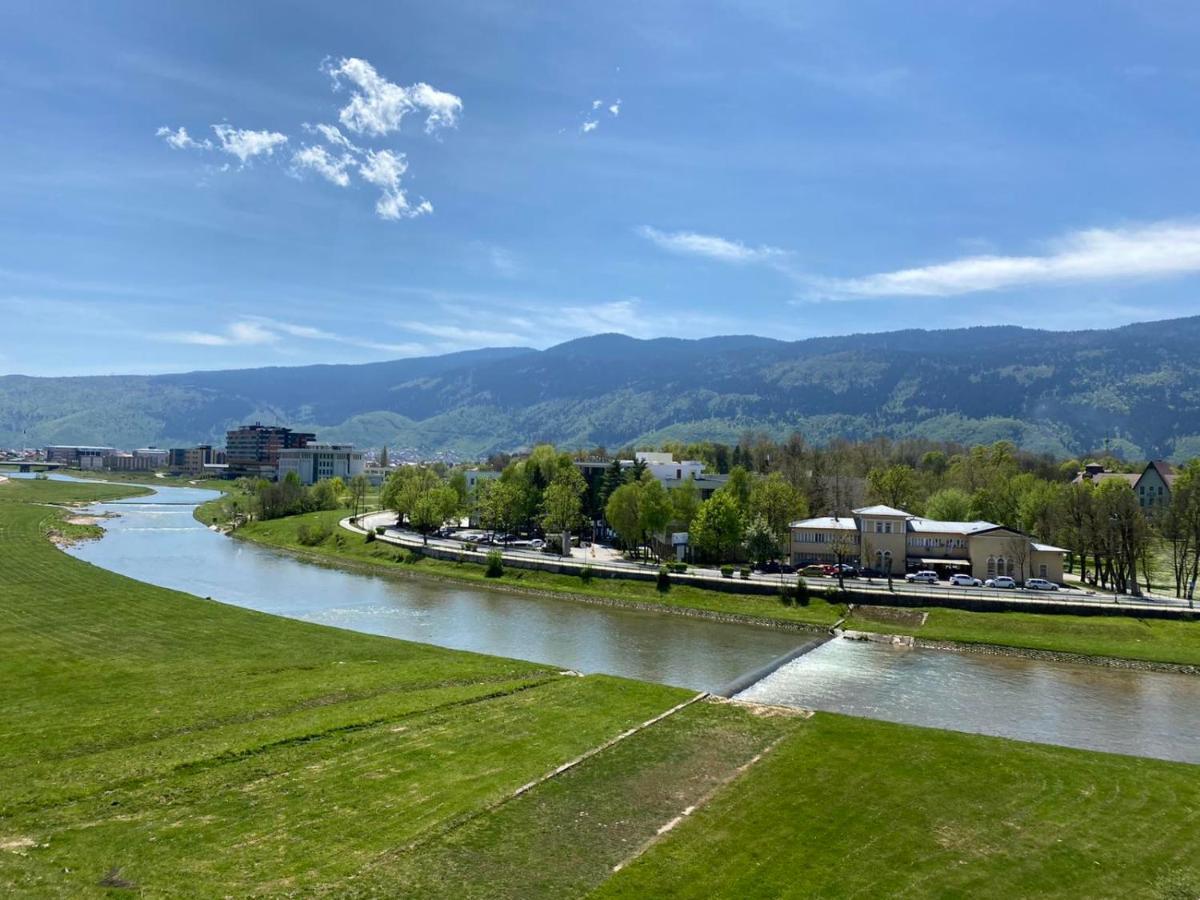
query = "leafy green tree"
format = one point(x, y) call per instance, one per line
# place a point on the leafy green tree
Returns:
point(499, 504)
point(433, 505)
point(776, 502)
point(949, 505)
point(358, 488)
point(624, 514)
point(895, 485)
point(324, 494)
point(654, 507)
point(738, 488)
point(562, 501)
point(1181, 529)
point(685, 502)
point(614, 477)
point(717, 528)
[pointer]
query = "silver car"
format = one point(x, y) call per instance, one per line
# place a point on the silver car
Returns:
point(1040, 584)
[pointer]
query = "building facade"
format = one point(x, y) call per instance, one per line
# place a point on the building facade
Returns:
point(316, 462)
point(1152, 485)
point(254, 449)
point(893, 541)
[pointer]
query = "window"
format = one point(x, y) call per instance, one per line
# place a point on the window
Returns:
point(991, 567)
point(1042, 571)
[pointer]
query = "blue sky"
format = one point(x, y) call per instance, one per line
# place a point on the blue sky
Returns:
point(518, 173)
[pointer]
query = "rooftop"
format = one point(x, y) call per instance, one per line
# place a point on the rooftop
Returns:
point(881, 510)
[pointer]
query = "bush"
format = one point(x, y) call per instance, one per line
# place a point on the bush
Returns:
point(785, 595)
point(495, 565)
point(369, 537)
point(726, 571)
point(312, 535)
point(664, 579)
point(679, 567)
point(802, 595)
point(469, 546)
point(585, 574)
point(380, 529)
point(745, 572)
point(412, 557)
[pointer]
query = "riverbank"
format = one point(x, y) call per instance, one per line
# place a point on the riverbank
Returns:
point(1081, 638)
point(318, 761)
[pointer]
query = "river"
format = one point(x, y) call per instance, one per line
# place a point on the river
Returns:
point(1152, 714)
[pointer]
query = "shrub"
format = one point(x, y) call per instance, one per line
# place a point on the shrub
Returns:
point(380, 529)
point(802, 596)
point(469, 546)
point(495, 565)
point(412, 557)
point(726, 571)
point(785, 595)
point(664, 579)
point(369, 537)
point(745, 572)
point(585, 574)
point(679, 567)
point(339, 540)
point(311, 535)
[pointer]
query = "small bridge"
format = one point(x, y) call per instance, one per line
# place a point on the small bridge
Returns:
point(29, 465)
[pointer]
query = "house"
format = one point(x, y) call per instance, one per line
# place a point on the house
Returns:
point(895, 541)
point(669, 472)
point(1152, 485)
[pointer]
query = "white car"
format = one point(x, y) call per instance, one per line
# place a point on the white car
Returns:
point(961, 579)
point(1001, 581)
point(1040, 584)
point(925, 577)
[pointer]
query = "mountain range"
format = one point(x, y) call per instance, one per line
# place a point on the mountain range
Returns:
point(1136, 388)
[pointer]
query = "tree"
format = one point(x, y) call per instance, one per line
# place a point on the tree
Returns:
point(1122, 532)
point(654, 507)
point(843, 546)
point(738, 488)
point(323, 495)
point(614, 477)
point(383, 457)
point(777, 503)
point(1017, 548)
point(948, 505)
point(432, 507)
point(761, 542)
point(562, 502)
point(685, 502)
point(896, 486)
point(498, 504)
point(359, 485)
point(1181, 529)
point(624, 515)
point(717, 528)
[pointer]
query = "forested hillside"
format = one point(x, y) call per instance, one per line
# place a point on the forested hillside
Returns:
point(1137, 387)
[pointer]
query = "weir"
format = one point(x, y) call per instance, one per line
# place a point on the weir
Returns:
point(742, 682)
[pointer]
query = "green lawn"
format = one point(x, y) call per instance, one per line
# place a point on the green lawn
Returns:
point(351, 548)
point(851, 808)
point(1155, 640)
point(153, 741)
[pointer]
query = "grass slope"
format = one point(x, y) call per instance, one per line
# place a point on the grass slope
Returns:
point(1153, 640)
point(850, 808)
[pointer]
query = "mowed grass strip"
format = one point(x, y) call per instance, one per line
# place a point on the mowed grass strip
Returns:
point(564, 837)
point(856, 808)
point(153, 739)
point(1151, 640)
point(388, 557)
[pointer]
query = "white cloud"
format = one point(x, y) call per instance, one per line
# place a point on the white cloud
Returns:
point(324, 163)
point(333, 136)
point(181, 140)
point(1157, 250)
point(377, 106)
point(385, 169)
point(589, 125)
point(596, 104)
point(238, 333)
point(692, 244)
point(245, 143)
point(615, 108)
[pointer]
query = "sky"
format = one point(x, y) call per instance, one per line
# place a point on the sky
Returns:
point(217, 185)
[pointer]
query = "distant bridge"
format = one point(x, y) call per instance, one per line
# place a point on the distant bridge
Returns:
point(29, 465)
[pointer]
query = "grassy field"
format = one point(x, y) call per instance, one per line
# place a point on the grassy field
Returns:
point(1152, 640)
point(156, 742)
point(849, 808)
point(283, 533)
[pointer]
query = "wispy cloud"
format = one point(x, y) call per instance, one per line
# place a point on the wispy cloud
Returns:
point(181, 140)
point(240, 333)
point(592, 116)
point(246, 143)
point(378, 106)
point(376, 109)
point(260, 330)
point(1156, 250)
point(690, 243)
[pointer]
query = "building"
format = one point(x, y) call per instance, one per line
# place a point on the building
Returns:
point(662, 466)
point(1152, 485)
point(476, 476)
point(316, 462)
point(78, 456)
point(254, 449)
point(193, 460)
point(893, 541)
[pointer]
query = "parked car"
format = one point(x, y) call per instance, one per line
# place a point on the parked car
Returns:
point(813, 571)
point(537, 544)
point(962, 579)
point(872, 573)
point(1040, 584)
point(923, 577)
point(1001, 581)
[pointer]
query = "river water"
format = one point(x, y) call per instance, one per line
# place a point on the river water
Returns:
point(1121, 711)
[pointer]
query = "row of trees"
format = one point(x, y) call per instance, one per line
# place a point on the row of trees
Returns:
point(1112, 539)
point(289, 497)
